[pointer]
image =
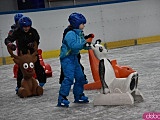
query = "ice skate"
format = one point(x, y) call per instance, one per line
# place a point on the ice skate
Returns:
point(81, 99)
point(63, 101)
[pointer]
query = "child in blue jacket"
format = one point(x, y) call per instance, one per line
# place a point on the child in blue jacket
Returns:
point(73, 42)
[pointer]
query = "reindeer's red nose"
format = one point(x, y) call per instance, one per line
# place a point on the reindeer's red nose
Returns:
point(29, 69)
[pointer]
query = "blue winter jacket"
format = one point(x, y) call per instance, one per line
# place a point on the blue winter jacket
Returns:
point(72, 43)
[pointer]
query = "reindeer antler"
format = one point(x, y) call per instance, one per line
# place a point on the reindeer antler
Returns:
point(11, 53)
point(34, 55)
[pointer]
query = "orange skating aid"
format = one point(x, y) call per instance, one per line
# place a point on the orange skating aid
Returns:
point(121, 71)
point(94, 63)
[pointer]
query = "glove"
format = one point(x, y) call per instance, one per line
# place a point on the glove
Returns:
point(12, 46)
point(87, 45)
point(89, 36)
point(13, 27)
point(31, 45)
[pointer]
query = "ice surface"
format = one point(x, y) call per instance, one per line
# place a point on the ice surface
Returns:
point(145, 59)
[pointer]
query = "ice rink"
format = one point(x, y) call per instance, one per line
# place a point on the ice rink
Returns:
point(145, 59)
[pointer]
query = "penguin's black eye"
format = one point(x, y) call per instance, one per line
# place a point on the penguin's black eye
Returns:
point(100, 49)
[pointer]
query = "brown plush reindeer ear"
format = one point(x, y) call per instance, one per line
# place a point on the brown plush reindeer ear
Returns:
point(21, 53)
point(28, 52)
point(34, 56)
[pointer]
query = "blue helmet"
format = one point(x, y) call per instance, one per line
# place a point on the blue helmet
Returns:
point(25, 22)
point(17, 17)
point(75, 19)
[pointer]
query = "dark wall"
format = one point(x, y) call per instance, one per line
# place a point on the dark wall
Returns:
point(8, 5)
point(30, 4)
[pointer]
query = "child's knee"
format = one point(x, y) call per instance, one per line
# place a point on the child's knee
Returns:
point(68, 81)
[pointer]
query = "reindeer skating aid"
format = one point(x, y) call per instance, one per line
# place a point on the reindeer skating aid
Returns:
point(29, 85)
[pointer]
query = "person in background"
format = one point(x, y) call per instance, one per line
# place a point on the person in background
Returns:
point(15, 26)
point(72, 43)
point(27, 38)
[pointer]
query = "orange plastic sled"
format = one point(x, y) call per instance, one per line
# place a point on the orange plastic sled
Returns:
point(120, 71)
